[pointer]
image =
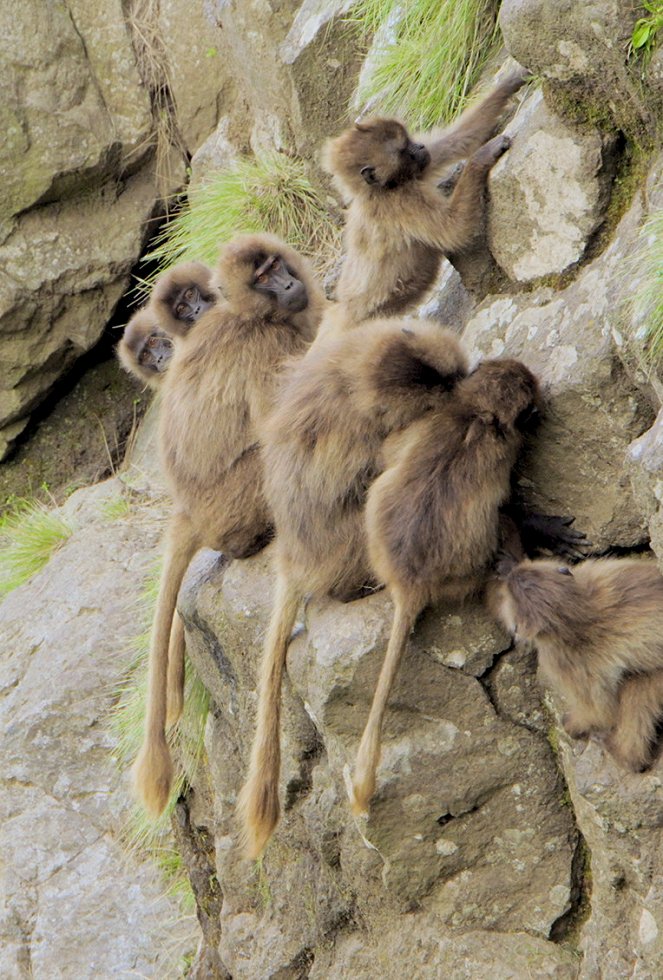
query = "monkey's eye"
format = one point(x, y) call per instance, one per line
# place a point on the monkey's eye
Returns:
point(152, 342)
point(188, 294)
point(563, 570)
point(276, 265)
point(181, 309)
point(263, 278)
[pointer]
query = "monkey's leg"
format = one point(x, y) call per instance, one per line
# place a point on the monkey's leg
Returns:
point(175, 681)
point(153, 769)
point(475, 126)
point(258, 802)
point(640, 710)
point(368, 756)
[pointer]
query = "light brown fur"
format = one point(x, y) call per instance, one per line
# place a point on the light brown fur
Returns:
point(593, 628)
point(432, 517)
point(399, 225)
point(322, 448)
point(218, 390)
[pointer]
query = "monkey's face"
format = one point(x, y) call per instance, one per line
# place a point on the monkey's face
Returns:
point(188, 304)
point(378, 153)
point(155, 352)
point(272, 277)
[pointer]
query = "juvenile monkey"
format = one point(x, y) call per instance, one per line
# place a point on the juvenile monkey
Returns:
point(217, 391)
point(399, 225)
point(432, 517)
point(178, 300)
point(182, 295)
point(322, 449)
point(145, 349)
point(598, 630)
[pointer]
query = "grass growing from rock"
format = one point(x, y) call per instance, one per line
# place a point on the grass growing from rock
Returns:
point(142, 833)
point(428, 55)
point(647, 303)
point(29, 534)
point(272, 192)
point(646, 29)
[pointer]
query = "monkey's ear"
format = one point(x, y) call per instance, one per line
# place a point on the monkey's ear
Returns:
point(368, 173)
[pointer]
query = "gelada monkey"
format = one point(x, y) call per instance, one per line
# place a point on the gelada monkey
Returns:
point(145, 349)
point(432, 517)
point(598, 630)
point(217, 390)
point(178, 300)
point(399, 225)
point(182, 295)
point(322, 448)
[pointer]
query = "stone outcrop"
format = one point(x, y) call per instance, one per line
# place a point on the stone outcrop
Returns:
point(74, 903)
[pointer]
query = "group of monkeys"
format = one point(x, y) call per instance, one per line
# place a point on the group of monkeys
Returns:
point(363, 444)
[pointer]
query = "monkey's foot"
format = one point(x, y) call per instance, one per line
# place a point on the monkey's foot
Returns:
point(574, 727)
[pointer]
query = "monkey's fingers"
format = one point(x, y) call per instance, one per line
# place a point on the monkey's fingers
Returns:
point(554, 533)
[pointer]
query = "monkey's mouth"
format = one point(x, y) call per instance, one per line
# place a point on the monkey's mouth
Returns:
point(294, 301)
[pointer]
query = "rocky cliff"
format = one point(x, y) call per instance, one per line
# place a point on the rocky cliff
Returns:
point(495, 846)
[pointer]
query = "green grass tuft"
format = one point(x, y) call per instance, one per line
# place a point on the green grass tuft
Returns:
point(647, 303)
point(116, 507)
point(29, 534)
point(141, 832)
point(429, 55)
point(269, 193)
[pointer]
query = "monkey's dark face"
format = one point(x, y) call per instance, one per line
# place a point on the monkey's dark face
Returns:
point(188, 304)
point(274, 278)
point(378, 153)
point(154, 352)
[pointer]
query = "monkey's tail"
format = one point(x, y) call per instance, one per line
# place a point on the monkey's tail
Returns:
point(175, 681)
point(258, 802)
point(368, 756)
point(153, 768)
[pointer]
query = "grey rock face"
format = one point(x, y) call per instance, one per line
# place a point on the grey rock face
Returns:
point(577, 462)
point(73, 903)
point(463, 801)
point(547, 195)
point(581, 48)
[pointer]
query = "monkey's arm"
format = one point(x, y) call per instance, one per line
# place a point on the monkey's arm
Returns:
point(475, 126)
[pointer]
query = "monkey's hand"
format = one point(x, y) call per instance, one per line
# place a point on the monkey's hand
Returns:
point(514, 81)
point(490, 152)
point(553, 533)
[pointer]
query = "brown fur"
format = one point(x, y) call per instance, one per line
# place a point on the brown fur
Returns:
point(218, 390)
point(169, 286)
point(593, 628)
point(399, 225)
point(322, 448)
point(143, 329)
point(432, 517)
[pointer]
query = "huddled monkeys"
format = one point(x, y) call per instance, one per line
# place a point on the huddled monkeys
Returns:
point(178, 300)
point(216, 392)
point(374, 455)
